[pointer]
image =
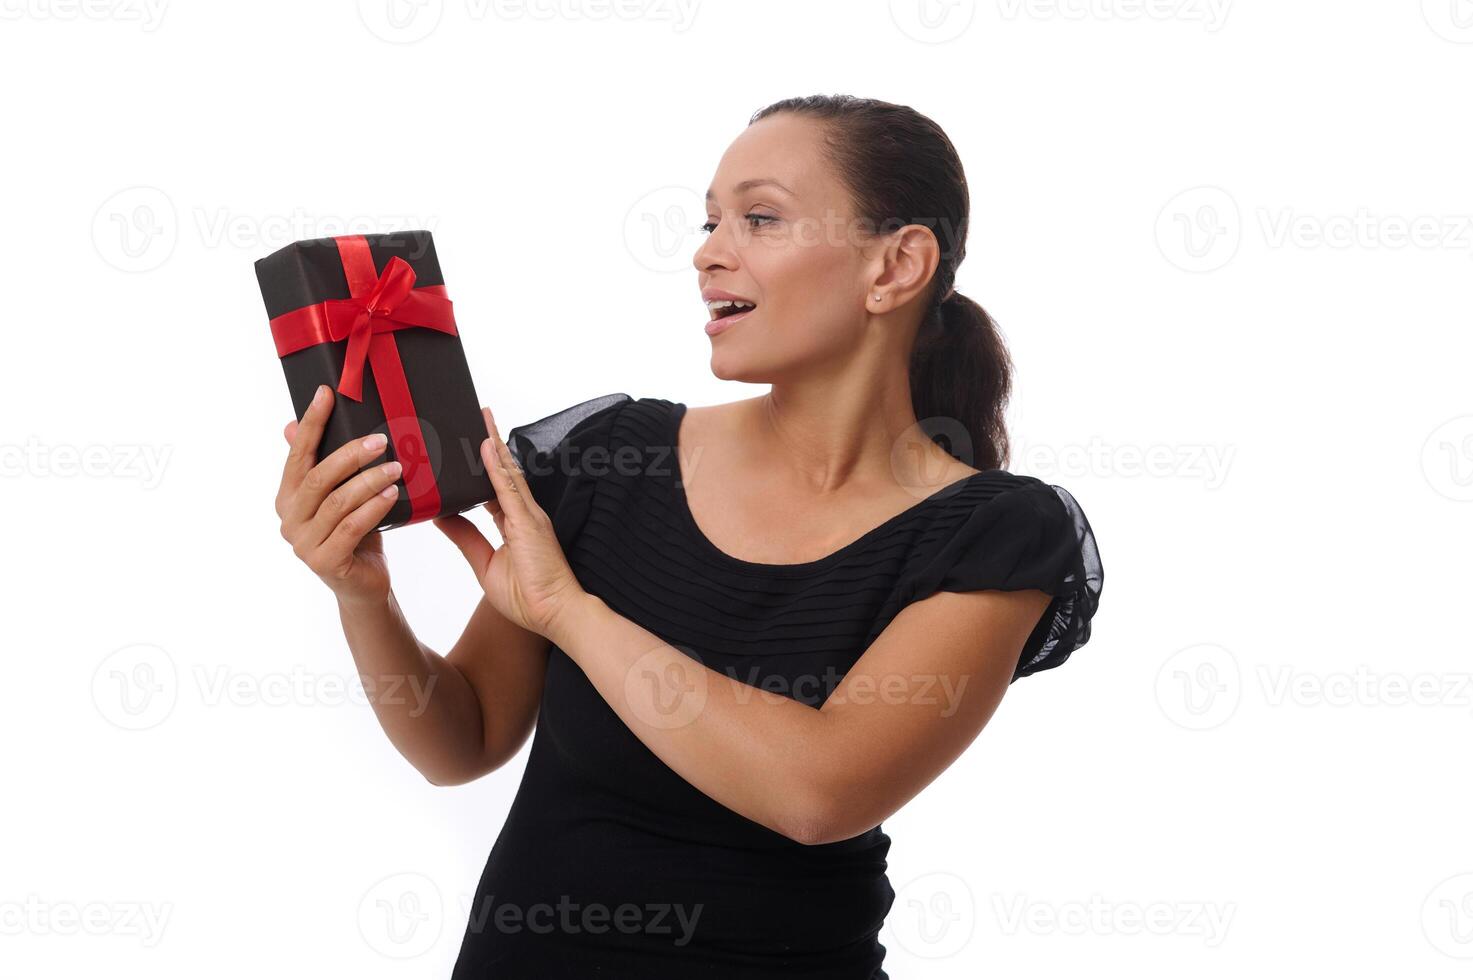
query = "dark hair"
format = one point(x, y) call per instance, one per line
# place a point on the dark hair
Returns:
point(901, 169)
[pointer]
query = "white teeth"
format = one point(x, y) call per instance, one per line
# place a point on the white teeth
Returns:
point(721, 304)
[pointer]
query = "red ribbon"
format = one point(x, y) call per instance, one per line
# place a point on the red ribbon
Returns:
point(379, 305)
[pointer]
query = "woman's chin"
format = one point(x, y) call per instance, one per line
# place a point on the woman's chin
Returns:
point(729, 368)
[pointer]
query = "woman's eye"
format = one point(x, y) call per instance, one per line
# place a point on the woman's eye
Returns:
point(756, 220)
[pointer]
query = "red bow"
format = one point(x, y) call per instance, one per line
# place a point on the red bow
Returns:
point(389, 302)
point(378, 306)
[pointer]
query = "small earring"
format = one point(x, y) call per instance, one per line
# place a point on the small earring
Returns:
point(877, 297)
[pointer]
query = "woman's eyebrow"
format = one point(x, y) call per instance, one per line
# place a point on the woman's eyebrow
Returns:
point(749, 184)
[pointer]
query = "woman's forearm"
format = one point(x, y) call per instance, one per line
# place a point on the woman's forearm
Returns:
point(424, 704)
point(742, 747)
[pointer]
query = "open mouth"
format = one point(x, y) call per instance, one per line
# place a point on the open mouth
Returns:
point(723, 308)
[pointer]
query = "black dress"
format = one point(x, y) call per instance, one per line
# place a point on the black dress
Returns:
point(612, 865)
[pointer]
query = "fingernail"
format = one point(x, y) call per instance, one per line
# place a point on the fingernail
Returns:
point(393, 469)
point(319, 394)
point(376, 441)
point(392, 490)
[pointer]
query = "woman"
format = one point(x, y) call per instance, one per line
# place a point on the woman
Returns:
point(747, 633)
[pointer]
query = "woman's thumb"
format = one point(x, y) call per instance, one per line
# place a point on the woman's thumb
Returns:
point(469, 539)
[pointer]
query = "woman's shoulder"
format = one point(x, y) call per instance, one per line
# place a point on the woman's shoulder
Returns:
point(1013, 531)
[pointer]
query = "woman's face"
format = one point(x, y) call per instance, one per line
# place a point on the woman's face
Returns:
point(782, 235)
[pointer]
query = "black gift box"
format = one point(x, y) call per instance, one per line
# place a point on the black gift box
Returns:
point(447, 414)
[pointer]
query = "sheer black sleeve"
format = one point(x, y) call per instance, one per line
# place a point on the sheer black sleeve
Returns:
point(551, 452)
point(1032, 537)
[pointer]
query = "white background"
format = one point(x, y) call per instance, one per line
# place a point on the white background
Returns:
point(1229, 245)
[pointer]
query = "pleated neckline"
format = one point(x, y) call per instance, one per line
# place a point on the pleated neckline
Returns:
point(676, 485)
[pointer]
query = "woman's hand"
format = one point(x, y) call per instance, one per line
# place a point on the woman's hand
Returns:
point(528, 579)
point(331, 526)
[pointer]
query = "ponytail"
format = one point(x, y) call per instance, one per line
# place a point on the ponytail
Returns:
point(960, 371)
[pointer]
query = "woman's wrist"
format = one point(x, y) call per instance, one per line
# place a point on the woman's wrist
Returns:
point(572, 618)
point(360, 604)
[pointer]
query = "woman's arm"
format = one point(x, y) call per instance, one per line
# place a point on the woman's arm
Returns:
point(454, 717)
point(457, 717)
point(907, 709)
